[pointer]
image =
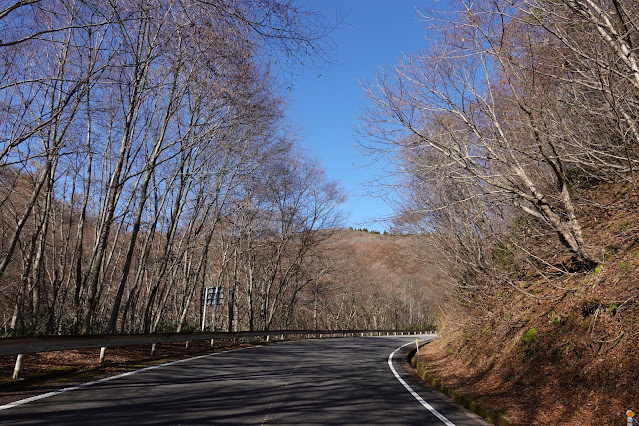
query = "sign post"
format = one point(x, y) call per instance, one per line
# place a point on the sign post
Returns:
point(217, 300)
point(204, 302)
point(212, 297)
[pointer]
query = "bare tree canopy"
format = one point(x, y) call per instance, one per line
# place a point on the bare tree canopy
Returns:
point(512, 106)
point(133, 134)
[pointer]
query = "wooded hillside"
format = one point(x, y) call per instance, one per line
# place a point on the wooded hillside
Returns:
point(145, 156)
point(514, 136)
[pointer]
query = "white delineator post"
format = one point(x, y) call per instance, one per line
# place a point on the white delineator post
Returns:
point(629, 417)
point(18, 367)
point(417, 345)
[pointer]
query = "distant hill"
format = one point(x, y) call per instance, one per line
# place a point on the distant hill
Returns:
point(380, 281)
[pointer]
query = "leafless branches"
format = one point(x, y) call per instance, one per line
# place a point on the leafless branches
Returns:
point(132, 132)
point(497, 119)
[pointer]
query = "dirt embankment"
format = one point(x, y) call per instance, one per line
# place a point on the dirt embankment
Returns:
point(567, 351)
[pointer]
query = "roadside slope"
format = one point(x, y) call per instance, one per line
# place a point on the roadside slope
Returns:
point(556, 348)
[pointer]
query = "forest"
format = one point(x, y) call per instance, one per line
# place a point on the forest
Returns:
point(145, 156)
point(515, 107)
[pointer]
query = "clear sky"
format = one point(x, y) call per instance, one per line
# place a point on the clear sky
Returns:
point(326, 107)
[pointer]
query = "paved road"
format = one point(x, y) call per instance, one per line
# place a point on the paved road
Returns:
point(329, 381)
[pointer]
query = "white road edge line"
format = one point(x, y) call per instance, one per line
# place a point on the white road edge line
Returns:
point(415, 394)
point(106, 379)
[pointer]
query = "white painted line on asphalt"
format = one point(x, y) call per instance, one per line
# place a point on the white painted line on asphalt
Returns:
point(106, 379)
point(415, 394)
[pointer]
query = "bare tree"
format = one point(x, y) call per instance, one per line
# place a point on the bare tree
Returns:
point(592, 60)
point(466, 99)
point(127, 128)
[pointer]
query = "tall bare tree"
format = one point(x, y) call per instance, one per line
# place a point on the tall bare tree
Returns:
point(467, 99)
point(127, 128)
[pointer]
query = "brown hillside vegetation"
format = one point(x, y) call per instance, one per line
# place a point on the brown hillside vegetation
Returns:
point(566, 352)
point(376, 281)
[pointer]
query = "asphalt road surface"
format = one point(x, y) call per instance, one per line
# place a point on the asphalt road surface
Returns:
point(328, 381)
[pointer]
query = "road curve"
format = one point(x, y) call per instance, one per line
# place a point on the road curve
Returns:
point(328, 381)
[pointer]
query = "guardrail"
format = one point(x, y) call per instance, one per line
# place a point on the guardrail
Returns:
point(24, 345)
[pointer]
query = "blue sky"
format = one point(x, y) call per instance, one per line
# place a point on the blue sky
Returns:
point(325, 108)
